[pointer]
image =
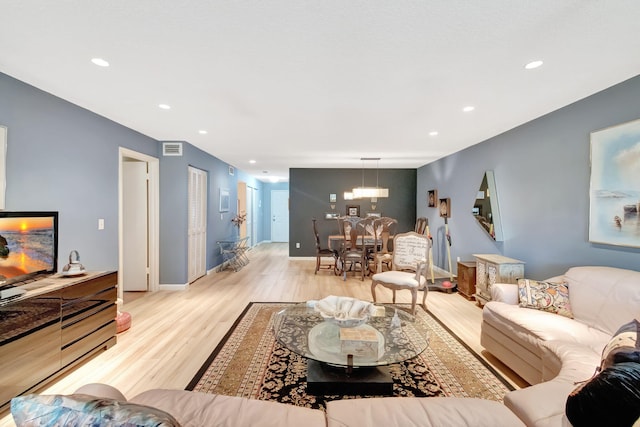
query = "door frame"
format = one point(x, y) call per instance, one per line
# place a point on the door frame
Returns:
point(153, 164)
point(271, 213)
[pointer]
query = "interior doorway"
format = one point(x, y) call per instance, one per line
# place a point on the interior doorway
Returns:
point(279, 215)
point(138, 219)
point(197, 227)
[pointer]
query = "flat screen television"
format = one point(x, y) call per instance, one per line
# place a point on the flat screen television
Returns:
point(28, 245)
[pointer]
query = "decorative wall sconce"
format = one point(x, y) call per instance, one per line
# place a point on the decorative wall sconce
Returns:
point(332, 200)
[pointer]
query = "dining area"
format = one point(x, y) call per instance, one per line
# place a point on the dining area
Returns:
point(375, 248)
point(359, 246)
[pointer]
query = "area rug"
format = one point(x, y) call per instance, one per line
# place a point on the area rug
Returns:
point(249, 362)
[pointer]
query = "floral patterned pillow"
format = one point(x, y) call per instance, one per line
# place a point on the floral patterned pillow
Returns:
point(546, 296)
point(84, 410)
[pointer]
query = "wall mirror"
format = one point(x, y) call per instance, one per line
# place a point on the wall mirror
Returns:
point(486, 209)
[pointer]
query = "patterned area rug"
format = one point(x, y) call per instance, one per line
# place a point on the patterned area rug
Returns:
point(249, 362)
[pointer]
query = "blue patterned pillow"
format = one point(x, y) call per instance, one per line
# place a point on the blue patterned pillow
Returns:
point(546, 296)
point(84, 410)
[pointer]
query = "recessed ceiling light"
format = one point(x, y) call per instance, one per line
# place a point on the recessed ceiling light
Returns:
point(433, 133)
point(468, 108)
point(164, 106)
point(202, 132)
point(252, 161)
point(100, 62)
point(533, 64)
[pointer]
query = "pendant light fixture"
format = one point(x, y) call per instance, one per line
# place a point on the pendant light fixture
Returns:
point(370, 192)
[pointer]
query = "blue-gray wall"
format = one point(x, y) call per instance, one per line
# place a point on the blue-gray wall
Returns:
point(542, 177)
point(65, 158)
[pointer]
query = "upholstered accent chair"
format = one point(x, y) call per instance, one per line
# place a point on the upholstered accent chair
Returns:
point(408, 268)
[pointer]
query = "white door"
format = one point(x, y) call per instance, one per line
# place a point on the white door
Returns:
point(135, 262)
point(250, 216)
point(254, 227)
point(279, 215)
point(197, 227)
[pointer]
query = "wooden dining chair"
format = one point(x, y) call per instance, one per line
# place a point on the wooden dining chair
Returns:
point(408, 268)
point(421, 225)
point(324, 252)
point(354, 248)
point(383, 229)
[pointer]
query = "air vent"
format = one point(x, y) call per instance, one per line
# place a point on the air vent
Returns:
point(172, 149)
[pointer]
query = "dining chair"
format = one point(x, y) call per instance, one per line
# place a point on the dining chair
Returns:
point(354, 246)
point(383, 229)
point(421, 225)
point(323, 252)
point(408, 268)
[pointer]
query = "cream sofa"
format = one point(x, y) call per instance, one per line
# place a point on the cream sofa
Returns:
point(554, 352)
point(190, 408)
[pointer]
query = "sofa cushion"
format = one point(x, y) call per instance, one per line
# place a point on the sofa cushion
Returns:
point(419, 411)
point(603, 297)
point(529, 327)
point(624, 346)
point(547, 296)
point(610, 398)
point(84, 410)
point(192, 408)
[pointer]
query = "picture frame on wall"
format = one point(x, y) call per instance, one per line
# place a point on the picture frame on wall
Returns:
point(614, 193)
point(353, 210)
point(224, 200)
point(444, 207)
point(432, 198)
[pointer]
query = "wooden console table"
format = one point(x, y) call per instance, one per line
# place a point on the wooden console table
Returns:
point(492, 268)
point(58, 323)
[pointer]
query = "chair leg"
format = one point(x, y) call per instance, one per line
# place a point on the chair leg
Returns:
point(317, 265)
point(414, 297)
point(393, 299)
point(373, 290)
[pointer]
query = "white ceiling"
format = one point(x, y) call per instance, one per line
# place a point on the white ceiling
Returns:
point(311, 84)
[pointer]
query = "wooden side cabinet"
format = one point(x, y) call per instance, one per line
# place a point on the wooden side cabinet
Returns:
point(467, 279)
point(58, 323)
point(490, 269)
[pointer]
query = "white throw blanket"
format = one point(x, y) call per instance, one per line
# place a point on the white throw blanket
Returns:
point(344, 308)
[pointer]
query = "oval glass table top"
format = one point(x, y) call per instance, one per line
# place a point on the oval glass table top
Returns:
point(392, 335)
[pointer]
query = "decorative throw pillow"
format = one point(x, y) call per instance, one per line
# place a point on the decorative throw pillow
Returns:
point(624, 346)
point(545, 296)
point(611, 398)
point(84, 410)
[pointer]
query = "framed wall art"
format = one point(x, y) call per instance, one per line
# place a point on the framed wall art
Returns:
point(445, 208)
point(224, 200)
point(432, 197)
point(353, 210)
point(614, 194)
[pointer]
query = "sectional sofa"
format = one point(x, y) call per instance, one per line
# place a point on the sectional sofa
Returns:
point(553, 334)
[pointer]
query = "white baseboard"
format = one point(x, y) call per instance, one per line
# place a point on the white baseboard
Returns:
point(176, 287)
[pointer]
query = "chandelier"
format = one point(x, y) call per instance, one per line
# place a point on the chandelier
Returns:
point(370, 192)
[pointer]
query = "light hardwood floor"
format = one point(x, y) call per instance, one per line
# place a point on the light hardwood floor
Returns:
point(173, 333)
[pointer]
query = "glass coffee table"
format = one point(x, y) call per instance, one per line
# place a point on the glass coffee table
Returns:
point(351, 360)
